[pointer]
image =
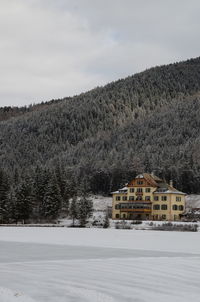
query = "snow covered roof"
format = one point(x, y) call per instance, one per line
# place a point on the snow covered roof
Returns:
point(170, 190)
point(122, 190)
point(140, 176)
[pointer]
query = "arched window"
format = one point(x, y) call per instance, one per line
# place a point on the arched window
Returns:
point(164, 207)
point(156, 207)
point(181, 208)
point(174, 207)
point(117, 216)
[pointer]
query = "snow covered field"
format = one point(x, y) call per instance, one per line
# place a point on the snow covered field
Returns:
point(64, 264)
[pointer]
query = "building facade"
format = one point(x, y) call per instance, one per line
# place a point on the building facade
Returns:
point(147, 197)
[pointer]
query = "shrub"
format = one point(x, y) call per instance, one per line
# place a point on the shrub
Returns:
point(136, 222)
point(168, 226)
point(123, 225)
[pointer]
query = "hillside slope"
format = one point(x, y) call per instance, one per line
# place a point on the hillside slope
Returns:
point(149, 121)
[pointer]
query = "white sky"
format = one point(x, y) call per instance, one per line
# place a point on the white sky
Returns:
point(57, 48)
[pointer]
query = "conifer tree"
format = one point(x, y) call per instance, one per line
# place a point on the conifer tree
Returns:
point(4, 202)
point(85, 209)
point(24, 199)
point(52, 200)
point(12, 206)
point(41, 179)
point(73, 209)
point(106, 221)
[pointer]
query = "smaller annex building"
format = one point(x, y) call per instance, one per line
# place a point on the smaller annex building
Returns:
point(147, 197)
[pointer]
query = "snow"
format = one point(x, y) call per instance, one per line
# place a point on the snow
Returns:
point(6, 295)
point(100, 203)
point(170, 192)
point(193, 201)
point(109, 238)
point(122, 190)
point(98, 265)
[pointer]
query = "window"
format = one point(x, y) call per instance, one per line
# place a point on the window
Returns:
point(139, 198)
point(164, 207)
point(118, 198)
point(156, 207)
point(131, 198)
point(164, 198)
point(148, 190)
point(139, 190)
point(117, 207)
point(140, 182)
point(174, 207)
point(117, 216)
point(181, 208)
point(124, 215)
point(132, 190)
point(156, 198)
point(124, 198)
point(147, 198)
point(163, 217)
point(178, 198)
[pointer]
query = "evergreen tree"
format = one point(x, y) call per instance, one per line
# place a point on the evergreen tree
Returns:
point(4, 202)
point(12, 206)
point(24, 200)
point(106, 221)
point(52, 201)
point(85, 209)
point(73, 209)
point(40, 183)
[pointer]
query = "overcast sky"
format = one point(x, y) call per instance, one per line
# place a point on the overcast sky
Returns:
point(56, 48)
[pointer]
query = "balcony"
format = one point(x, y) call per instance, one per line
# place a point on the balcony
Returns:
point(137, 211)
point(140, 201)
point(136, 207)
point(139, 193)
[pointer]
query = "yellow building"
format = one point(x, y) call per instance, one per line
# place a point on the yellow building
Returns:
point(147, 197)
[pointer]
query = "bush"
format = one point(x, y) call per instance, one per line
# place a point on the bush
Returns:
point(168, 226)
point(136, 222)
point(123, 225)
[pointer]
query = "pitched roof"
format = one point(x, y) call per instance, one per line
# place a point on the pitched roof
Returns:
point(151, 179)
point(167, 189)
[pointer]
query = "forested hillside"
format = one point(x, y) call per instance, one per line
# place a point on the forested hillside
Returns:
point(100, 139)
point(8, 112)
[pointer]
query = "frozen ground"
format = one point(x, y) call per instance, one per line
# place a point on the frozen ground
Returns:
point(6, 295)
point(94, 265)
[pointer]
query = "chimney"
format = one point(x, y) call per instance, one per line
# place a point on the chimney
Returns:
point(171, 183)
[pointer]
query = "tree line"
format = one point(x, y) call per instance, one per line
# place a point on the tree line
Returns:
point(43, 197)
